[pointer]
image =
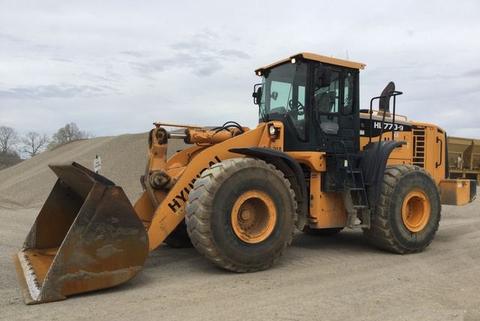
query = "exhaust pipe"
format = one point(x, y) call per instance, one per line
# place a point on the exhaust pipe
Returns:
point(86, 237)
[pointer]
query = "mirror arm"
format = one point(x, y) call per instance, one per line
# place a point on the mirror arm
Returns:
point(257, 94)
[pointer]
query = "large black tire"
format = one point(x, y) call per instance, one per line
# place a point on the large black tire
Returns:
point(179, 239)
point(209, 214)
point(388, 229)
point(322, 232)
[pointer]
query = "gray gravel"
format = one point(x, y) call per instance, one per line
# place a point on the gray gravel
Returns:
point(123, 161)
point(336, 278)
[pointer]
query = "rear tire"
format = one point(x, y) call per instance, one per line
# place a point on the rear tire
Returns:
point(241, 214)
point(408, 211)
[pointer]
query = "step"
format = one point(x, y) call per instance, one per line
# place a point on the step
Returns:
point(357, 188)
point(357, 207)
point(354, 171)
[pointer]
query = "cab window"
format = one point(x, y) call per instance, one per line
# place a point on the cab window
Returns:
point(284, 94)
point(348, 91)
point(333, 96)
point(327, 93)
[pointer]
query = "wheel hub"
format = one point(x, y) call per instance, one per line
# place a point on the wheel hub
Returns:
point(416, 211)
point(245, 215)
point(253, 216)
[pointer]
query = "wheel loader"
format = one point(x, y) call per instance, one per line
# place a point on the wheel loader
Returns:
point(316, 162)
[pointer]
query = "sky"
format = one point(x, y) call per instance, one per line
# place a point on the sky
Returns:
point(115, 67)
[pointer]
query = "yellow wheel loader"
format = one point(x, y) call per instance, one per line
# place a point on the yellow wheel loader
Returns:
point(316, 162)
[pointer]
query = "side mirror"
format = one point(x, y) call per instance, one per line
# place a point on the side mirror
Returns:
point(257, 94)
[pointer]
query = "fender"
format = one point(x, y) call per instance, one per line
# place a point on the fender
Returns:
point(373, 162)
point(292, 170)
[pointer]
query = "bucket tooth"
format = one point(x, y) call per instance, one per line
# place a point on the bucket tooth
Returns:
point(86, 237)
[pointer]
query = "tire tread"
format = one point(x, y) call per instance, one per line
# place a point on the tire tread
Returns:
point(200, 205)
point(380, 233)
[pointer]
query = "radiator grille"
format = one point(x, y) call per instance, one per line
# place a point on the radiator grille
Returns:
point(419, 147)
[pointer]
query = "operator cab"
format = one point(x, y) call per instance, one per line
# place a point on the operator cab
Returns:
point(316, 97)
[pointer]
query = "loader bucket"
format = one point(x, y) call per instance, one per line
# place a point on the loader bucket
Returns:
point(86, 237)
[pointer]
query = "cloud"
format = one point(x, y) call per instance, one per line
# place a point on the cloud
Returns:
point(472, 73)
point(234, 53)
point(133, 53)
point(194, 61)
point(200, 53)
point(204, 66)
point(52, 91)
point(10, 38)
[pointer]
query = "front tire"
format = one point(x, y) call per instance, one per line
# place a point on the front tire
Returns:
point(408, 210)
point(241, 214)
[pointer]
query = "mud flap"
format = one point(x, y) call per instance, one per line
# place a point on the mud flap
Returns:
point(86, 237)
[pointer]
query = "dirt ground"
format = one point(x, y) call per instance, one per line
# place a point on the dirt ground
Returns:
point(335, 278)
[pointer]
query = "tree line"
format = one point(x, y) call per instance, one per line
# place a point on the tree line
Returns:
point(14, 147)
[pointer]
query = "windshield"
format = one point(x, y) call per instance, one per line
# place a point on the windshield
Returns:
point(284, 94)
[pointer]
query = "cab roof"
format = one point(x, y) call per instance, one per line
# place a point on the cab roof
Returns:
point(315, 57)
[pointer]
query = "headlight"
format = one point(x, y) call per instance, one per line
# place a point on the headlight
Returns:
point(272, 130)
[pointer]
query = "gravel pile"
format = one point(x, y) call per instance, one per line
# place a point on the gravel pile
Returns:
point(28, 184)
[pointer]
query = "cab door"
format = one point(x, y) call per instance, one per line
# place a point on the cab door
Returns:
point(335, 118)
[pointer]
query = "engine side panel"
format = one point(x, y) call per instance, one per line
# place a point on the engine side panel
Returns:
point(425, 143)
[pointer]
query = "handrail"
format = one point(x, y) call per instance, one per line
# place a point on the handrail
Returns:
point(437, 164)
point(391, 94)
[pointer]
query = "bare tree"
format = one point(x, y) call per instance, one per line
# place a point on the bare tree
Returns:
point(69, 133)
point(34, 143)
point(8, 138)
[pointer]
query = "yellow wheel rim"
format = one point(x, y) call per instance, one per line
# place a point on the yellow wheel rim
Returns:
point(253, 216)
point(416, 210)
